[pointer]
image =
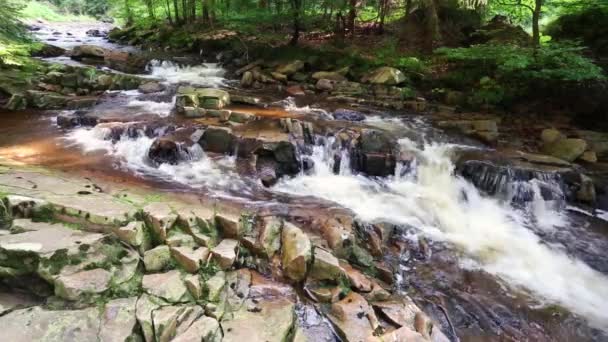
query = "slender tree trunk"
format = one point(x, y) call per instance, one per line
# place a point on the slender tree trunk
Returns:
point(433, 30)
point(150, 8)
point(168, 11)
point(352, 16)
point(296, 7)
point(176, 10)
point(408, 7)
point(129, 13)
point(538, 4)
point(185, 11)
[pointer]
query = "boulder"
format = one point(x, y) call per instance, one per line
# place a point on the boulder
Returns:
point(290, 68)
point(325, 85)
point(125, 61)
point(6, 216)
point(206, 98)
point(268, 320)
point(325, 265)
point(133, 233)
point(296, 252)
point(373, 153)
point(279, 77)
point(204, 328)
point(160, 218)
point(247, 79)
point(295, 91)
point(151, 87)
point(48, 51)
point(484, 130)
point(164, 151)
point(144, 307)
point(218, 140)
point(214, 286)
point(551, 135)
point(328, 75)
point(385, 75)
point(566, 149)
point(168, 286)
point(88, 51)
point(82, 284)
point(118, 320)
point(157, 258)
point(225, 253)
point(193, 283)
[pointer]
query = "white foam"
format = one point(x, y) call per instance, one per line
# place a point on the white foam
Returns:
point(205, 75)
point(448, 208)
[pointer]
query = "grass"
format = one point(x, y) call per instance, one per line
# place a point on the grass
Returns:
point(48, 12)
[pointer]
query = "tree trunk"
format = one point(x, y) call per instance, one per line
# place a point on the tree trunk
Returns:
point(150, 8)
point(352, 16)
point(433, 30)
point(296, 7)
point(168, 10)
point(129, 13)
point(538, 4)
point(176, 10)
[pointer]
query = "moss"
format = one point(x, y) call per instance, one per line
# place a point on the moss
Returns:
point(61, 259)
point(44, 213)
point(130, 288)
point(209, 270)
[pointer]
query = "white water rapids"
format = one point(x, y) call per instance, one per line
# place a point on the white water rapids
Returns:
point(490, 233)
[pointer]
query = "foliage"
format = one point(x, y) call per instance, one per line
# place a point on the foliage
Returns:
point(562, 62)
point(50, 12)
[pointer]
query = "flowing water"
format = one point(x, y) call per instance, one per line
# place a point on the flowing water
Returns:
point(500, 268)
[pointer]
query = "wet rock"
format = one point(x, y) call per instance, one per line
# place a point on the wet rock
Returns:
point(270, 235)
point(168, 285)
point(353, 318)
point(164, 151)
point(290, 68)
point(87, 51)
point(373, 154)
point(243, 99)
point(358, 280)
point(401, 313)
point(325, 266)
point(247, 79)
point(189, 258)
point(125, 61)
point(401, 334)
point(295, 91)
point(76, 119)
point(207, 98)
point(270, 320)
point(551, 135)
point(225, 253)
point(484, 130)
point(82, 284)
point(385, 76)
point(348, 115)
point(586, 192)
point(296, 252)
point(151, 87)
point(95, 33)
point(157, 258)
point(218, 140)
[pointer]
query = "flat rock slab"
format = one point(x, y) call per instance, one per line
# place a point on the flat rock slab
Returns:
point(269, 320)
point(168, 285)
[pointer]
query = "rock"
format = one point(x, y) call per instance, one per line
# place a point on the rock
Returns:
point(500, 32)
point(586, 192)
point(241, 117)
point(373, 154)
point(269, 320)
point(206, 98)
point(566, 149)
point(95, 33)
point(190, 258)
point(205, 328)
point(218, 140)
point(401, 313)
point(49, 51)
point(325, 85)
point(160, 218)
point(151, 87)
point(290, 68)
point(87, 51)
point(6, 216)
point(193, 283)
point(157, 259)
point(325, 266)
point(146, 304)
point(401, 334)
point(168, 319)
point(82, 284)
point(296, 252)
point(270, 235)
point(247, 79)
point(279, 77)
point(295, 91)
point(385, 75)
point(248, 67)
point(177, 238)
point(214, 286)
point(484, 130)
point(225, 253)
point(164, 151)
point(38, 324)
point(76, 119)
point(127, 62)
point(328, 75)
point(118, 320)
point(358, 280)
point(353, 318)
point(551, 135)
point(168, 286)
point(589, 157)
point(348, 115)
point(133, 233)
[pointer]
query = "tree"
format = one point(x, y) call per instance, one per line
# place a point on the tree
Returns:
point(535, 7)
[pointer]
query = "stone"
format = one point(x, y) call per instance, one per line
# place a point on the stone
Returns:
point(214, 286)
point(218, 140)
point(6, 216)
point(279, 77)
point(270, 235)
point(401, 312)
point(247, 79)
point(385, 75)
point(249, 67)
point(295, 91)
point(203, 329)
point(71, 120)
point(586, 192)
point(82, 284)
point(48, 51)
point(353, 318)
point(551, 135)
point(88, 51)
point(38, 324)
point(325, 265)
point(328, 75)
point(177, 238)
point(296, 252)
point(269, 320)
point(166, 319)
point(348, 115)
point(118, 320)
point(230, 226)
point(157, 259)
point(128, 62)
point(168, 286)
point(193, 283)
point(358, 280)
point(151, 87)
point(325, 85)
point(484, 130)
point(189, 258)
point(401, 334)
point(144, 307)
point(589, 157)
point(290, 68)
point(241, 117)
point(225, 253)
point(566, 149)
point(160, 218)
point(133, 233)
point(207, 98)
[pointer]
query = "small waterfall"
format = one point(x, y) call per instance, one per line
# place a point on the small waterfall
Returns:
point(204, 75)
